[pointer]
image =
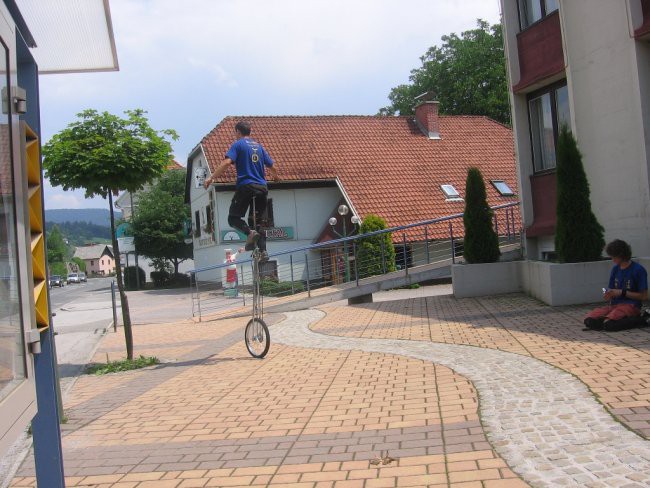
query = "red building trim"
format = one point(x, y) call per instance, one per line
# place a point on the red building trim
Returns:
point(644, 30)
point(544, 192)
point(540, 52)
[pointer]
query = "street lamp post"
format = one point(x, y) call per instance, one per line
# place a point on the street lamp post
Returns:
point(343, 210)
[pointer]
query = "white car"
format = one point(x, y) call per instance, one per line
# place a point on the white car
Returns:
point(73, 278)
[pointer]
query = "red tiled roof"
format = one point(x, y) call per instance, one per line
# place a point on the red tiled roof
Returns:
point(387, 166)
point(175, 165)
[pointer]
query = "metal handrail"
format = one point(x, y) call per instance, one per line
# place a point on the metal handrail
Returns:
point(352, 238)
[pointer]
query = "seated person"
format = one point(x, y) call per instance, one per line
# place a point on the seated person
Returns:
point(628, 288)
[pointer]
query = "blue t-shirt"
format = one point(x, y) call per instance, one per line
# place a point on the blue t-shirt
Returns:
point(250, 159)
point(633, 278)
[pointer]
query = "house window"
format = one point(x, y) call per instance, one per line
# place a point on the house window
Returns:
point(548, 111)
point(92, 263)
point(102, 262)
point(503, 188)
point(197, 223)
point(270, 219)
point(450, 192)
point(209, 220)
point(531, 11)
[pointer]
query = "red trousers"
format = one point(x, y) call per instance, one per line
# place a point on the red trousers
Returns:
point(614, 312)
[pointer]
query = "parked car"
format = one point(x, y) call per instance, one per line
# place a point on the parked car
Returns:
point(83, 278)
point(73, 278)
point(56, 280)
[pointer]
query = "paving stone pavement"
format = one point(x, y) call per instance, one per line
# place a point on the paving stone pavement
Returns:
point(543, 421)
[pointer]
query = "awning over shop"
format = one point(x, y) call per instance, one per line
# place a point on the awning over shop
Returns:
point(70, 36)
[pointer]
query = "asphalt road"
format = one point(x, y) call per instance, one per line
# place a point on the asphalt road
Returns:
point(60, 296)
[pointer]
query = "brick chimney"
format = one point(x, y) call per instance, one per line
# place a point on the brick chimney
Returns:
point(426, 115)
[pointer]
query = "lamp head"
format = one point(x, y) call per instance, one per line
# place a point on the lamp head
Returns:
point(355, 220)
point(343, 210)
point(333, 221)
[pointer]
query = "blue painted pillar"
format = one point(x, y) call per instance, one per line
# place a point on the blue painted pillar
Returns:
point(48, 452)
point(46, 431)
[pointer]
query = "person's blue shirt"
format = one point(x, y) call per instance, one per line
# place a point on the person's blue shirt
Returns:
point(633, 278)
point(250, 160)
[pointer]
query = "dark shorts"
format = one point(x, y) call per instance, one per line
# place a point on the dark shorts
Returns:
point(243, 199)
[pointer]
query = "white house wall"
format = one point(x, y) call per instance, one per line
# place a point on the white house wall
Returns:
point(305, 210)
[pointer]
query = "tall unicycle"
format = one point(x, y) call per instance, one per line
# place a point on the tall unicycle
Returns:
point(257, 337)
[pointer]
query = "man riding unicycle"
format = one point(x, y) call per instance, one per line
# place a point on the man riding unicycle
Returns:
point(250, 160)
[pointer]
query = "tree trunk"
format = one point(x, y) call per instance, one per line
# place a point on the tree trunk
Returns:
point(175, 266)
point(126, 316)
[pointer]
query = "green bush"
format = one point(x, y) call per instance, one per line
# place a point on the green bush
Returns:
point(272, 288)
point(160, 278)
point(369, 250)
point(130, 277)
point(179, 280)
point(81, 263)
point(123, 365)
point(578, 235)
point(59, 268)
point(481, 244)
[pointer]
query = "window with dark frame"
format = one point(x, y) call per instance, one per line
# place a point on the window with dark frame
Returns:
point(270, 220)
point(503, 188)
point(209, 220)
point(532, 11)
point(197, 223)
point(548, 110)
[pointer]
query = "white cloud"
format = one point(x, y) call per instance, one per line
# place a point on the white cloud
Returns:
point(191, 63)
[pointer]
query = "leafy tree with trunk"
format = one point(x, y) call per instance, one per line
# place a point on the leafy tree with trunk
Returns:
point(80, 263)
point(467, 73)
point(159, 220)
point(105, 154)
point(57, 249)
point(579, 235)
point(481, 241)
point(371, 248)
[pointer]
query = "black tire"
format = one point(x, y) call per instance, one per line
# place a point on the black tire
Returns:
point(257, 338)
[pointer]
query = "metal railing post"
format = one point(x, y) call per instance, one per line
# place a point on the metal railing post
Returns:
point(293, 291)
point(508, 225)
point(198, 295)
point(243, 284)
point(383, 256)
point(406, 264)
point(114, 306)
point(496, 224)
point(453, 244)
point(307, 269)
point(356, 264)
point(426, 243)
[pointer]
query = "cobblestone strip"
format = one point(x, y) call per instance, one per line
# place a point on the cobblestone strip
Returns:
point(544, 422)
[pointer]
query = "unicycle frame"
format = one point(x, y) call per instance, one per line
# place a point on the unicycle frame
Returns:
point(257, 332)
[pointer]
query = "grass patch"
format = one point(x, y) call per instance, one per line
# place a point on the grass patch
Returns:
point(122, 365)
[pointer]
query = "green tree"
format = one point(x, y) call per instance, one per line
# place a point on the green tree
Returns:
point(80, 263)
point(481, 241)
point(57, 250)
point(104, 154)
point(158, 223)
point(371, 248)
point(467, 73)
point(578, 235)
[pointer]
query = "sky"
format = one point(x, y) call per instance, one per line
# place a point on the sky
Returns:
point(191, 63)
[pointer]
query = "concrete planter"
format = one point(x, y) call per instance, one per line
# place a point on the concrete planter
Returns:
point(476, 280)
point(553, 283)
point(565, 284)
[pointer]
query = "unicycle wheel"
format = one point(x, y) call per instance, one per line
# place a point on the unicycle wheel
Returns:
point(257, 338)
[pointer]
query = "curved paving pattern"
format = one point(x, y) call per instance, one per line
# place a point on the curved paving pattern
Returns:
point(543, 421)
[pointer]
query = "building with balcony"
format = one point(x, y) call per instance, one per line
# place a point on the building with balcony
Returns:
point(586, 64)
point(404, 169)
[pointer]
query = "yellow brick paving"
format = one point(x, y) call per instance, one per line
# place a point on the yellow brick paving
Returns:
point(316, 418)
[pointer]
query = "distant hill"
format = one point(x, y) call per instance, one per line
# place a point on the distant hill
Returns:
point(96, 216)
point(81, 233)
